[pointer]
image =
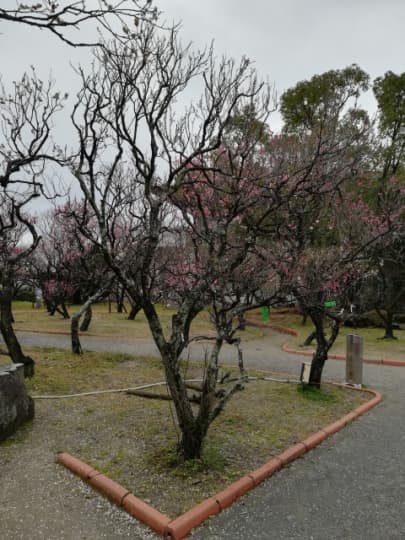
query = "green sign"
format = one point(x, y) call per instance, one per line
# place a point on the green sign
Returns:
point(265, 313)
point(330, 303)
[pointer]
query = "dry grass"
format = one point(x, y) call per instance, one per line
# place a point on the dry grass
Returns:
point(133, 440)
point(110, 324)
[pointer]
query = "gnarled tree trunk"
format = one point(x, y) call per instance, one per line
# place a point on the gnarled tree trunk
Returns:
point(88, 314)
point(309, 339)
point(121, 300)
point(193, 424)
point(53, 308)
point(74, 325)
point(323, 345)
point(10, 339)
point(135, 309)
point(318, 361)
point(388, 319)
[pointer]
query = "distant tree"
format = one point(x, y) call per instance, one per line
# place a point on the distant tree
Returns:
point(69, 266)
point(244, 127)
point(55, 265)
point(325, 141)
point(382, 287)
point(389, 91)
point(323, 251)
point(311, 105)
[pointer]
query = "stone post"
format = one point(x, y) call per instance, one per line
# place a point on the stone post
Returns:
point(354, 360)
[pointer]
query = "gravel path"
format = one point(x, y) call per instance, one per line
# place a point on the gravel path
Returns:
point(263, 353)
point(351, 487)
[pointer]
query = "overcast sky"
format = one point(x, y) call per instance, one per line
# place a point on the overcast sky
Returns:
point(289, 40)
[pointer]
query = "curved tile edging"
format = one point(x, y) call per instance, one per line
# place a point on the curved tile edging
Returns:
point(376, 361)
point(333, 356)
point(180, 527)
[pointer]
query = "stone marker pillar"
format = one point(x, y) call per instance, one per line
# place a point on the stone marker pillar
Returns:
point(354, 360)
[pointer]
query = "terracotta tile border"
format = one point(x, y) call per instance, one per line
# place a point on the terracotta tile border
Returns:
point(286, 348)
point(378, 361)
point(180, 527)
point(116, 493)
point(57, 332)
point(276, 327)
point(259, 324)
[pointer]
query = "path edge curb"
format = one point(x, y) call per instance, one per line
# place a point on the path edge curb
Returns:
point(286, 348)
point(377, 361)
point(180, 527)
point(116, 493)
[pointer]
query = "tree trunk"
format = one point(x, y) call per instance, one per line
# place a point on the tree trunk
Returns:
point(74, 332)
point(50, 308)
point(193, 425)
point(193, 438)
point(191, 444)
point(64, 312)
point(88, 314)
point(212, 403)
point(389, 326)
point(10, 339)
point(310, 339)
point(120, 300)
point(318, 361)
point(53, 308)
point(74, 325)
point(135, 309)
point(242, 321)
point(322, 347)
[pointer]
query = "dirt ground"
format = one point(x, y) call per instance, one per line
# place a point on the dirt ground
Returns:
point(39, 500)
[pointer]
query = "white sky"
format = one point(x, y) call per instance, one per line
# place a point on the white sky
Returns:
point(289, 40)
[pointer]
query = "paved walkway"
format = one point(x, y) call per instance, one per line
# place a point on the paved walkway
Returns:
point(351, 487)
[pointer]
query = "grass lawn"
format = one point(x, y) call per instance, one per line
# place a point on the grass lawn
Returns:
point(110, 324)
point(116, 325)
point(373, 345)
point(133, 440)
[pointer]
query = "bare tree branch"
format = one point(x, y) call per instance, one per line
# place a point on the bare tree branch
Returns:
point(117, 18)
